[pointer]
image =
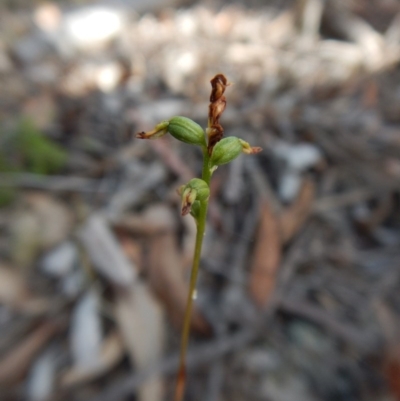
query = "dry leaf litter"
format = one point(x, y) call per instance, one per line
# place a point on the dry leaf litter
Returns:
point(298, 292)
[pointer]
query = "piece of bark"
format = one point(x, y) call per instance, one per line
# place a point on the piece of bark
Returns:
point(267, 257)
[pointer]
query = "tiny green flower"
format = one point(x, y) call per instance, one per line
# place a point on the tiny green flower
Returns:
point(195, 190)
point(188, 198)
point(201, 187)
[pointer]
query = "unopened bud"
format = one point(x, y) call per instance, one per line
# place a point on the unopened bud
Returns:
point(201, 187)
point(226, 150)
point(186, 130)
point(182, 128)
point(230, 148)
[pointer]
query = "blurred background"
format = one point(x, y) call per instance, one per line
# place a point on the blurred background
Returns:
point(298, 291)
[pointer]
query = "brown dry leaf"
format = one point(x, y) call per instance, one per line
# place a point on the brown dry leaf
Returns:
point(15, 364)
point(167, 280)
point(267, 256)
point(131, 248)
point(41, 223)
point(105, 252)
point(112, 351)
point(14, 292)
point(141, 322)
point(293, 218)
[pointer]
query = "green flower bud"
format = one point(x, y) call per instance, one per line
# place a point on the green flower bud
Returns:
point(194, 191)
point(186, 130)
point(201, 188)
point(226, 150)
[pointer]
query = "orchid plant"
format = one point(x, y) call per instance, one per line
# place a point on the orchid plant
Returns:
point(217, 150)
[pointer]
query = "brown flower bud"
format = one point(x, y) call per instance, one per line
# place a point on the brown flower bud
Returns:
point(215, 132)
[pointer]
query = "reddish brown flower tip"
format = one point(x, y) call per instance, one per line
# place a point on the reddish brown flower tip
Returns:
point(249, 150)
point(218, 84)
point(186, 205)
point(186, 210)
point(253, 150)
point(158, 131)
point(215, 132)
point(188, 197)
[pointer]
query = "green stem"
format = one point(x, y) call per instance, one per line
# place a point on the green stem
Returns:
point(206, 173)
point(201, 225)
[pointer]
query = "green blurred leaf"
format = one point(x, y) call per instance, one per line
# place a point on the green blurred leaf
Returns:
point(26, 149)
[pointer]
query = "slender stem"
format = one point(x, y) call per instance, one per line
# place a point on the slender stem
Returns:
point(206, 173)
point(201, 225)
